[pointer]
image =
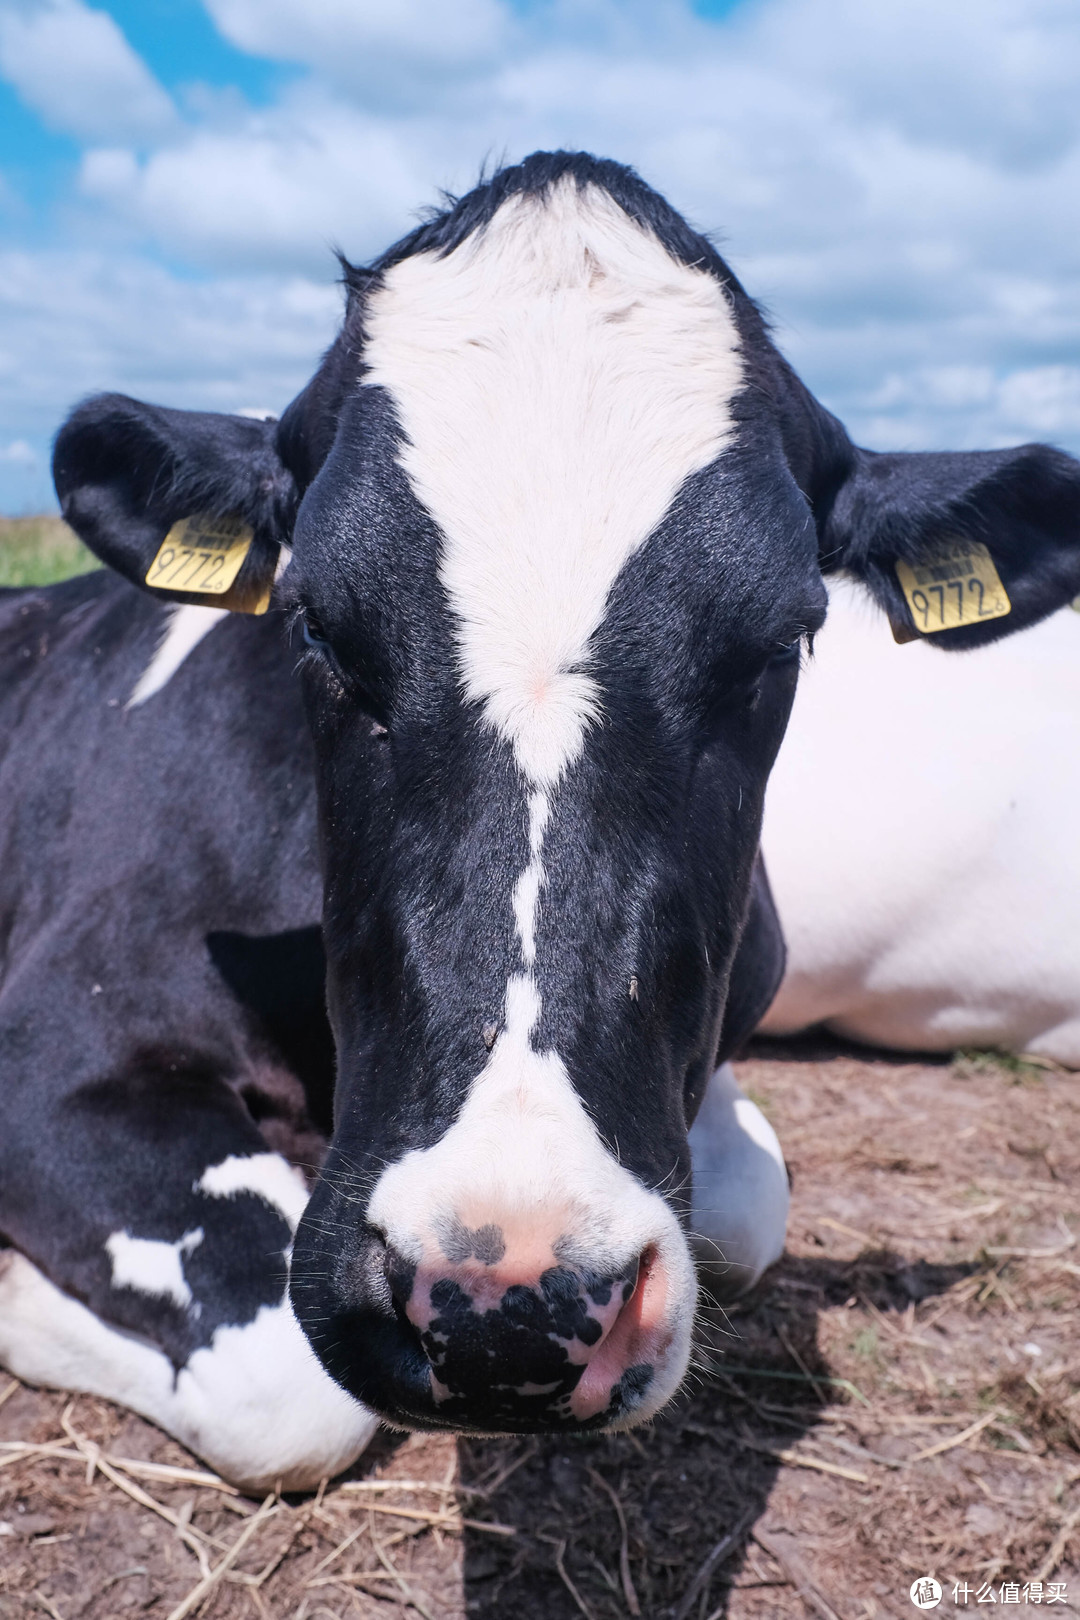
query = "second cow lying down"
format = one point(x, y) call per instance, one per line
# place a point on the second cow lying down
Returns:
point(920, 841)
point(559, 517)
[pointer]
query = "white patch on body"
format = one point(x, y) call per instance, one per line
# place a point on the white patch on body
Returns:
point(153, 1267)
point(185, 627)
point(557, 377)
point(741, 1194)
point(919, 839)
point(255, 1404)
point(267, 1175)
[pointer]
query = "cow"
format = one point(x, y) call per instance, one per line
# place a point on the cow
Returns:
point(551, 523)
point(923, 869)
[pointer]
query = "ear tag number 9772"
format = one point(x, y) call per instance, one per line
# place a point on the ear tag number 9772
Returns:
point(202, 555)
point(956, 584)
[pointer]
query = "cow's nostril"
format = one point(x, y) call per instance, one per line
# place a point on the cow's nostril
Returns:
point(621, 1365)
point(401, 1275)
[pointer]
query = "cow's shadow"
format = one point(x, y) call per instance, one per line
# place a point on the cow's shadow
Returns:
point(670, 1493)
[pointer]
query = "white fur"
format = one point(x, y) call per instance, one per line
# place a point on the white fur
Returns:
point(524, 1151)
point(185, 627)
point(151, 1266)
point(741, 1193)
point(527, 891)
point(267, 1175)
point(920, 837)
point(255, 1404)
point(557, 378)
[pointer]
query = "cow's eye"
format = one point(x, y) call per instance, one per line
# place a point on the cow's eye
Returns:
point(787, 655)
point(313, 632)
point(746, 695)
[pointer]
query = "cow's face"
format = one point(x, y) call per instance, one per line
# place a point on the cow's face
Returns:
point(555, 593)
point(564, 516)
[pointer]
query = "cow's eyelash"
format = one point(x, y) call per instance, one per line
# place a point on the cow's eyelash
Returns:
point(314, 649)
point(309, 625)
point(313, 633)
point(318, 650)
point(314, 637)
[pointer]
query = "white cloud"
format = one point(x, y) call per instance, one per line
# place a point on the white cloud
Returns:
point(111, 321)
point(896, 181)
point(279, 189)
point(358, 43)
point(995, 78)
point(75, 323)
point(971, 406)
point(19, 453)
point(75, 68)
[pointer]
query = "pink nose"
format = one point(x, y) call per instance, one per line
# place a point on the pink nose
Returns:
point(515, 1344)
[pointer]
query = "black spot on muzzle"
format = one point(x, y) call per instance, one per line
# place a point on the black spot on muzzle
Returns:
point(460, 1243)
point(509, 1367)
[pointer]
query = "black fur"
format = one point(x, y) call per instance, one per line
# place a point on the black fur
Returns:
point(139, 852)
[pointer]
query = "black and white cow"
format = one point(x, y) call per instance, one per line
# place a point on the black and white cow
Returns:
point(559, 516)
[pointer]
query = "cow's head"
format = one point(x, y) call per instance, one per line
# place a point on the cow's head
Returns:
point(559, 515)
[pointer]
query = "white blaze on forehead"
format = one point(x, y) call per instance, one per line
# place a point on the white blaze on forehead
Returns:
point(151, 1266)
point(557, 377)
point(266, 1175)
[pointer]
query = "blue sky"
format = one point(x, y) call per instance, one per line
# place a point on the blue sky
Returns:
point(897, 180)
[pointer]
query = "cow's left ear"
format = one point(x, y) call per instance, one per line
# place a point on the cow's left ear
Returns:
point(190, 505)
point(960, 547)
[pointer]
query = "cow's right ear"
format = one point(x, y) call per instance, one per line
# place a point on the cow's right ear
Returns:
point(190, 505)
point(960, 546)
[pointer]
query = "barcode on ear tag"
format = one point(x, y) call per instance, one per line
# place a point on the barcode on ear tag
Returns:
point(954, 585)
point(202, 555)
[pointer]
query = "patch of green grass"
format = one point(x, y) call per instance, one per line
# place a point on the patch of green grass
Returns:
point(865, 1343)
point(971, 1061)
point(759, 1099)
point(40, 551)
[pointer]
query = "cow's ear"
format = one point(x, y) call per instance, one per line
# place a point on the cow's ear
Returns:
point(190, 505)
point(960, 547)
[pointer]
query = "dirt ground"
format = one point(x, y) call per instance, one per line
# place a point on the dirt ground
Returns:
point(899, 1398)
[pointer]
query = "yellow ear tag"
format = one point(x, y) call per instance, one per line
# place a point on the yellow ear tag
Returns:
point(954, 585)
point(203, 555)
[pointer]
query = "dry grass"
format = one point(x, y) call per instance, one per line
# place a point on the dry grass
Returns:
point(901, 1398)
point(39, 551)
